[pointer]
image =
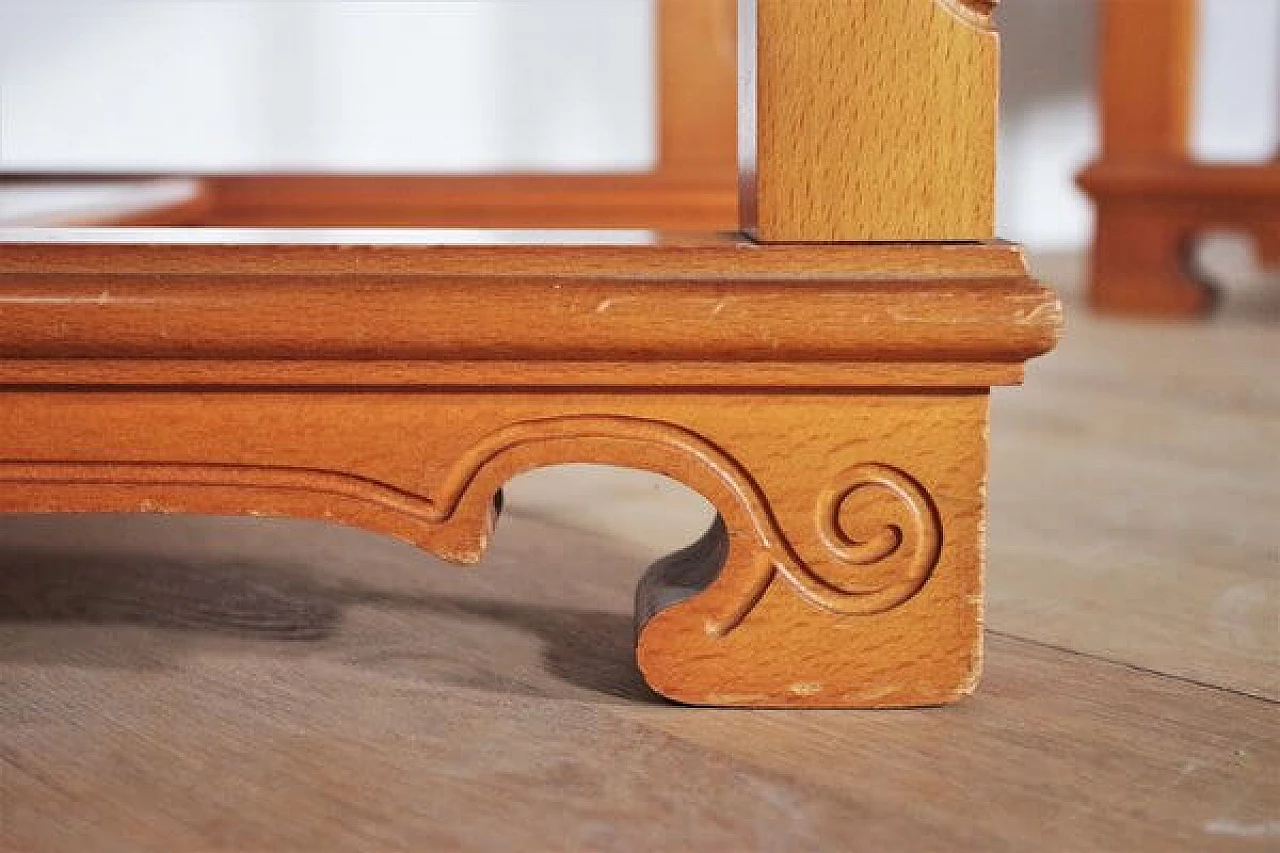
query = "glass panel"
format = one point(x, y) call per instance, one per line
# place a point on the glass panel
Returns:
point(466, 86)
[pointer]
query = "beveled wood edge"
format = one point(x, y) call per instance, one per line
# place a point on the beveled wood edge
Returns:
point(670, 254)
point(496, 376)
point(630, 321)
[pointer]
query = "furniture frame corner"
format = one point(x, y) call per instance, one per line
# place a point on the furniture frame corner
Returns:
point(839, 426)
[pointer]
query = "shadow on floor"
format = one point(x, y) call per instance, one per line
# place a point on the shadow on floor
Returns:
point(200, 601)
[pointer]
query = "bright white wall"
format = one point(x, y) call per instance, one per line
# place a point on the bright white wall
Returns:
point(476, 85)
point(363, 85)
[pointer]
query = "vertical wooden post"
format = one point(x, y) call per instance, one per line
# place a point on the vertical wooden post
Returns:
point(1148, 64)
point(696, 80)
point(1151, 199)
point(868, 120)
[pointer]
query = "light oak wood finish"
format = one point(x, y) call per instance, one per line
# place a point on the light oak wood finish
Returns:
point(869, 120)
point(582, 316)
point(603, 306)
point(829, 401)
point(1153, 200)
point(697, 91)
point(528, 253)
point(851, 517)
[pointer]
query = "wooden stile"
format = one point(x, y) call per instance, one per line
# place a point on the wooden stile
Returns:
point(868, 120)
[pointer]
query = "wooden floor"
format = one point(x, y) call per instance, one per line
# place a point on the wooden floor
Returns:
point(214, 684)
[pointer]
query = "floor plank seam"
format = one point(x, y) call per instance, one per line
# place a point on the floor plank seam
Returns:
point(1133, 666)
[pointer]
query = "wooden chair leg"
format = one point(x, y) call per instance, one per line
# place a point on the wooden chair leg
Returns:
point(1142, 263)
point(845, 572)
point(1269, 245)
point(1152, 198)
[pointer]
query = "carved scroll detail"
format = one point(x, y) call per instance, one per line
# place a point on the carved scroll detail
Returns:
point(912, 538)
point(912, 534)
point(904, 542)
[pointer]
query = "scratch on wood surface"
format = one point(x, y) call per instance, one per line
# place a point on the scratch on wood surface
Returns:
point(1243, 829)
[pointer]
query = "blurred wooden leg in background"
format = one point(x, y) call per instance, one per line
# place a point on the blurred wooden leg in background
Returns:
point(1153, 200)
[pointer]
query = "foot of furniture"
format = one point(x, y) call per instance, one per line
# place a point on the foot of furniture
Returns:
point(844, 568)
point(1148, 217)
point(1268, 242)
point(836, 417)
point(1143, 264)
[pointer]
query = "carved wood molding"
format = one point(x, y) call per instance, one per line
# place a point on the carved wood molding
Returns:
point(845, 518)
point(830, 402)
point(462, 501)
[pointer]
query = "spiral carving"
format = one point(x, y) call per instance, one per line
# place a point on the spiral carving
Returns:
point(884, 535)
point(879, 526)
point(873, 516)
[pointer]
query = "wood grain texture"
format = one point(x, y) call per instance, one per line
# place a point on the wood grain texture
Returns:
point(847, 469)
point(188, 684)
point(848, 571)
point(686, 375)
point(1157, 545)
point(682, 255)
point(549, 314)
point(564, 318)
point(868, 120)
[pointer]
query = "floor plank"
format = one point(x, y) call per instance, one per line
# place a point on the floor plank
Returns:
point(1135, 492)
point(1057, 752)
point(194, 684)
